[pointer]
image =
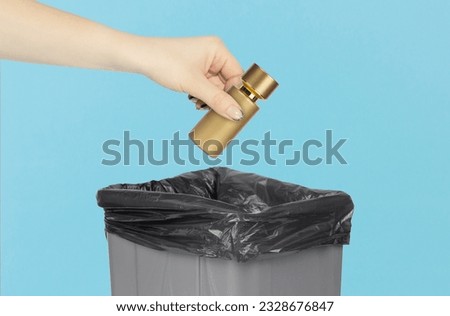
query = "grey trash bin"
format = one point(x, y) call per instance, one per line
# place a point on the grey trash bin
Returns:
point(223, 232)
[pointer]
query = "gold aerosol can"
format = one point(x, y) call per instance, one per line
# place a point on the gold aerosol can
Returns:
point(213, 132)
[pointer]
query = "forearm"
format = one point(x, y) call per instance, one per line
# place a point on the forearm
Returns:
point(33, 32)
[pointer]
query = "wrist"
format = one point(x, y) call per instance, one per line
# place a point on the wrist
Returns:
point(132, 53)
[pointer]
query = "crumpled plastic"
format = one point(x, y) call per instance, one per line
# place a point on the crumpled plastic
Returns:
point(224, 213)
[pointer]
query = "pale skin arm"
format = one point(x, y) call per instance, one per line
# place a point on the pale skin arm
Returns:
point(200, 66)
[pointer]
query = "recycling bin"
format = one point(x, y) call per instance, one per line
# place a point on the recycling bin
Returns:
point(223, 232)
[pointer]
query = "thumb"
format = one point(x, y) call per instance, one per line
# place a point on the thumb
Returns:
point(218, 100)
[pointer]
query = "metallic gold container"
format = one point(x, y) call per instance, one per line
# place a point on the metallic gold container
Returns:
point(213, 132)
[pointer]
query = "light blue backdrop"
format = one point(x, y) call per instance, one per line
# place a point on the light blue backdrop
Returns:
point(375, 72)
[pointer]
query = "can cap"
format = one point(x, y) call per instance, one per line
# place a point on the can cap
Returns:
point(259, 82)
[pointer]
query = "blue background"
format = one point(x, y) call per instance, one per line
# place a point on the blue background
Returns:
point(375, 72)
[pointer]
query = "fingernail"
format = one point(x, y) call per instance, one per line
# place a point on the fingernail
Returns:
point(200, 105)
point(235, 113)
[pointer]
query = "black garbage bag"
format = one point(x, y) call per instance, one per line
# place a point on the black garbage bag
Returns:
point(224, 213)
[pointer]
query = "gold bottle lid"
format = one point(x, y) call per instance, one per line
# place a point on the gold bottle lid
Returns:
point(259, 82)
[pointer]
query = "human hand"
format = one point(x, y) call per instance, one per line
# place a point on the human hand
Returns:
point(200, 66)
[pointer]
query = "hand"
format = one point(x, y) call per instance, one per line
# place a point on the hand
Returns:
point(200, 66)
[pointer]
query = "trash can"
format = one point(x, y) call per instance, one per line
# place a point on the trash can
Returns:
point(223, 232)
